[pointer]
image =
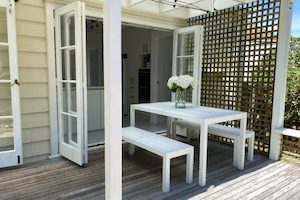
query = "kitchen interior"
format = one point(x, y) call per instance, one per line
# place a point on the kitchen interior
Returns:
point(146, 67)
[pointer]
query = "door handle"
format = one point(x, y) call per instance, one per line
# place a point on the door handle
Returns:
point(16, 82)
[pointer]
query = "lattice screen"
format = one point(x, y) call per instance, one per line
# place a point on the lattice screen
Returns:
point(239, 59)
point(291, 147)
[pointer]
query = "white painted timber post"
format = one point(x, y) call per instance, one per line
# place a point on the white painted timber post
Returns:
point(112, 99)
point(285, 23)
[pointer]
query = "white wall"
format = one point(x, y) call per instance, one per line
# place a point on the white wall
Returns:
point(95, 111)
point(134, 41)
point(159, 45)
point(162, 52)
point(94, 41)
point(32, 58)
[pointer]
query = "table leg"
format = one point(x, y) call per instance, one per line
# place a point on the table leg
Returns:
point(132, 116)
point(203, 154)
point(189, 166)
point(131, 147)
point(241, 144)
point(169, 126)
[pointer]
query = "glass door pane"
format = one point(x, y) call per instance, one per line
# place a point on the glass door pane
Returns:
point(3, 25)
point(6, 117)
point(186, 44)
point(185, 65)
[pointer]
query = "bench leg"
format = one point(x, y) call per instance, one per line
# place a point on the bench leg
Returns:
point(166, 175)
point(131, 149)
point(189, 166)
point(250, 149)
point(235, 152)
point(188, 134)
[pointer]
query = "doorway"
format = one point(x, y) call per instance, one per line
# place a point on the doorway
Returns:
point(148, 58)
point(146, 67)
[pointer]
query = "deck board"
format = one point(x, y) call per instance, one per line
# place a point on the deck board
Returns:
point(61, 179)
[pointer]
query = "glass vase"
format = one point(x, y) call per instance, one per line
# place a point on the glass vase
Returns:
point(180, 99)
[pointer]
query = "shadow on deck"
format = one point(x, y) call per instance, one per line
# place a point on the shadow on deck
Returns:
point(61, 179)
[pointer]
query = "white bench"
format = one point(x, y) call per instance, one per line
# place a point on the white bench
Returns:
point(165, 147)
point(223, 131)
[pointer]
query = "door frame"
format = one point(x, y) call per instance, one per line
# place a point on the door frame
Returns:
point(93, 10)
point(154, 66)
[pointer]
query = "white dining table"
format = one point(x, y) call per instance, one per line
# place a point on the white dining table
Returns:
point(204, 116)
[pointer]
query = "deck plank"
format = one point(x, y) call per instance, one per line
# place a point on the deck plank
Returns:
point(61, 179)
point(290, 193)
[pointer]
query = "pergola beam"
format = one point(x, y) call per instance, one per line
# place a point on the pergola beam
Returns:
point(134, 2)
point(112, 98)
point(182, 8)
point(244, 1)
point(193, 13)
point(171, 5)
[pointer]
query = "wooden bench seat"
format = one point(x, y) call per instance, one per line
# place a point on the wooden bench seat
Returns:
point(165, 147)
point(223, 131)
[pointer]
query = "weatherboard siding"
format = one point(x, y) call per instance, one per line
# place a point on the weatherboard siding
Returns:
point(33, 73)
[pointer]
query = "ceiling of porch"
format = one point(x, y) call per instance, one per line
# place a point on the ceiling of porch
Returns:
point(181, 8)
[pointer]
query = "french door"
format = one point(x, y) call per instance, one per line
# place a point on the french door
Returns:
point(187, 57)
point(10, 120)
point(71, 81)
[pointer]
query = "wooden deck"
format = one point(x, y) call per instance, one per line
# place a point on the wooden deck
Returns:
point(61, 179)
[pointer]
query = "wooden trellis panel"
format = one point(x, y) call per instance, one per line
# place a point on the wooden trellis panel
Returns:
point(239, 61)
point(291, 148)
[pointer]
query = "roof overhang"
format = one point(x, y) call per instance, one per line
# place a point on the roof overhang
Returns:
point(181, 8)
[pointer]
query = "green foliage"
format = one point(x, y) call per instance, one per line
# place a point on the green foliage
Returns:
point(175, 88)
point(294, 58)
point(292, 105)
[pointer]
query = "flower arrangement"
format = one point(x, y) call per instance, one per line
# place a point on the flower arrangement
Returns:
point(179, 85)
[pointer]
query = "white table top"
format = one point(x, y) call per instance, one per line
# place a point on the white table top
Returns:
point(193, 113)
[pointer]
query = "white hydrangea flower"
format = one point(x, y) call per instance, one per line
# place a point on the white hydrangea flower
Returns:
point(172, 80)
point(180, 82)
point(185, 81)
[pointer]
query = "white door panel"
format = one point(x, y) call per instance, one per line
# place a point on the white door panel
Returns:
point(10, 119)
point(187, 59)
point(187, 56)
point(71, 81)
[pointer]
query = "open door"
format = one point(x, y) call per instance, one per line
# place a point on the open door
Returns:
point(71, 81)
point(10, 119)
point(187, 57)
